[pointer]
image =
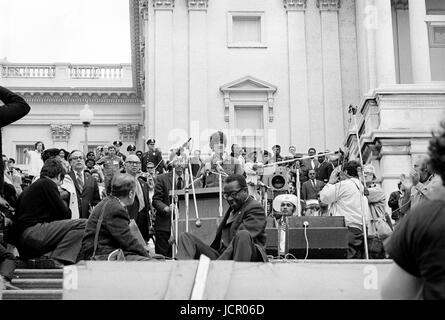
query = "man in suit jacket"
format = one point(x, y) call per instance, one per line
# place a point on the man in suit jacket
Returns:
point(162, 204)
point(140, 209)
point(241, 236)
point(324, 168)
point(114, 232)
point(87, 189)
point(311, 188)
point(311, 163)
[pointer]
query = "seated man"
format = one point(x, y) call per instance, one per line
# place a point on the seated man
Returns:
point(42, 223)
point(241, 236)
point(110, 223)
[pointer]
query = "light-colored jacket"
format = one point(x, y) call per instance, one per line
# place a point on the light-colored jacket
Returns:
point(346, 199)
point(68, 185)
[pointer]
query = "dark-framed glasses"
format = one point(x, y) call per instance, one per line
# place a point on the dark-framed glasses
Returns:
point(232, 194)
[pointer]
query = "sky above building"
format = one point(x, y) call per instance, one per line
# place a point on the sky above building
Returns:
point(75, 31)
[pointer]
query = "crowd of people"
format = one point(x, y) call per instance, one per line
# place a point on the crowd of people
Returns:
point(70, 206)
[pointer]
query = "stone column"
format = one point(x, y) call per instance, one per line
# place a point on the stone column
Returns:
point(163, 71)
point(299, 118)
point(333, 104)
point(420, 49)
point(197, 82)
point(147, 107)
point(395, 159)
point(386, 66)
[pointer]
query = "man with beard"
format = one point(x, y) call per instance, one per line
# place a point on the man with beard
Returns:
point(241, 236)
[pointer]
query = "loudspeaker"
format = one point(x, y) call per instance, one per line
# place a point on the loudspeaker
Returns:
point(280, 179)
point(323, 238)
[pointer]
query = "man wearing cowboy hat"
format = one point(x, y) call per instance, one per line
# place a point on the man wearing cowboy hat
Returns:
point(153, 155)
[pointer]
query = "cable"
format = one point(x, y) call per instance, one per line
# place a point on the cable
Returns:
point(307, 243)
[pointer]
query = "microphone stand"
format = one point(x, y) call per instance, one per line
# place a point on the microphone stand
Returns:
point(189, 168)
point(302, 158)
point(173, 223)
point(353, 110)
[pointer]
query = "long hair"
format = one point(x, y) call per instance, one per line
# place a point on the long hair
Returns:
point(437, 152)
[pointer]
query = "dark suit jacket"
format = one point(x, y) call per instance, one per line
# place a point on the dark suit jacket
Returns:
point(89, 195)
point(114, 232)
point(324, 171)
point(161, 199)
point(393, 201)
point(251, 218)
point(309, 192)
point(142, 218)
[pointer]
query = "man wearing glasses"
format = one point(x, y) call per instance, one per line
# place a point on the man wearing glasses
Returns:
point(87, 189)
point(140, 209)
point(241, 236)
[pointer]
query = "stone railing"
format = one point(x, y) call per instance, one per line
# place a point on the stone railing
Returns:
point(75, 71)
point(28, 71)
point(96, 71)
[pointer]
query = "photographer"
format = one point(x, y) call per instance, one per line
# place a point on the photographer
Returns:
point(343, 194)
point(418, 242)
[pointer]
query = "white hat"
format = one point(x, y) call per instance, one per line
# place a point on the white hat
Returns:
point(276, 204)
point(369, 168)
point(312, 203)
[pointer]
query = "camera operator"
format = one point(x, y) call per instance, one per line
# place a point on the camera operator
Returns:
point(343, 194)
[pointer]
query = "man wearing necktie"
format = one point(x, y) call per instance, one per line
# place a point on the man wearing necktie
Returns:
point(140, 209)
point(241, 235)
point(311, 188)
point(87, 189)
point(162, 203)
point(311, 163)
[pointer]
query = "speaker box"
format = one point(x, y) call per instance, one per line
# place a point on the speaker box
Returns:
point(323, 238)
point(327, 238)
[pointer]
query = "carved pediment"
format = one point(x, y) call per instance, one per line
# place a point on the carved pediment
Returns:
point(248, 83)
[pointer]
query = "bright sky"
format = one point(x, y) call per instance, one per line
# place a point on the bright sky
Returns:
point(76, 31)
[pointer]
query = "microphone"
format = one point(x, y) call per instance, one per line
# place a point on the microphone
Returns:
point(263, 185)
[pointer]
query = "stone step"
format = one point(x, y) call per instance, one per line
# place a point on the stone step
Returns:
point(32, 294)
point(38, 284)
point(38, 273)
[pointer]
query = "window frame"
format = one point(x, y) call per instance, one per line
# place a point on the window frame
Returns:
point(246, 44)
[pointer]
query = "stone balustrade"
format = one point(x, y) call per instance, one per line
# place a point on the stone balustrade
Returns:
point(84, 71)
point(96, 71)
point(28, 71)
